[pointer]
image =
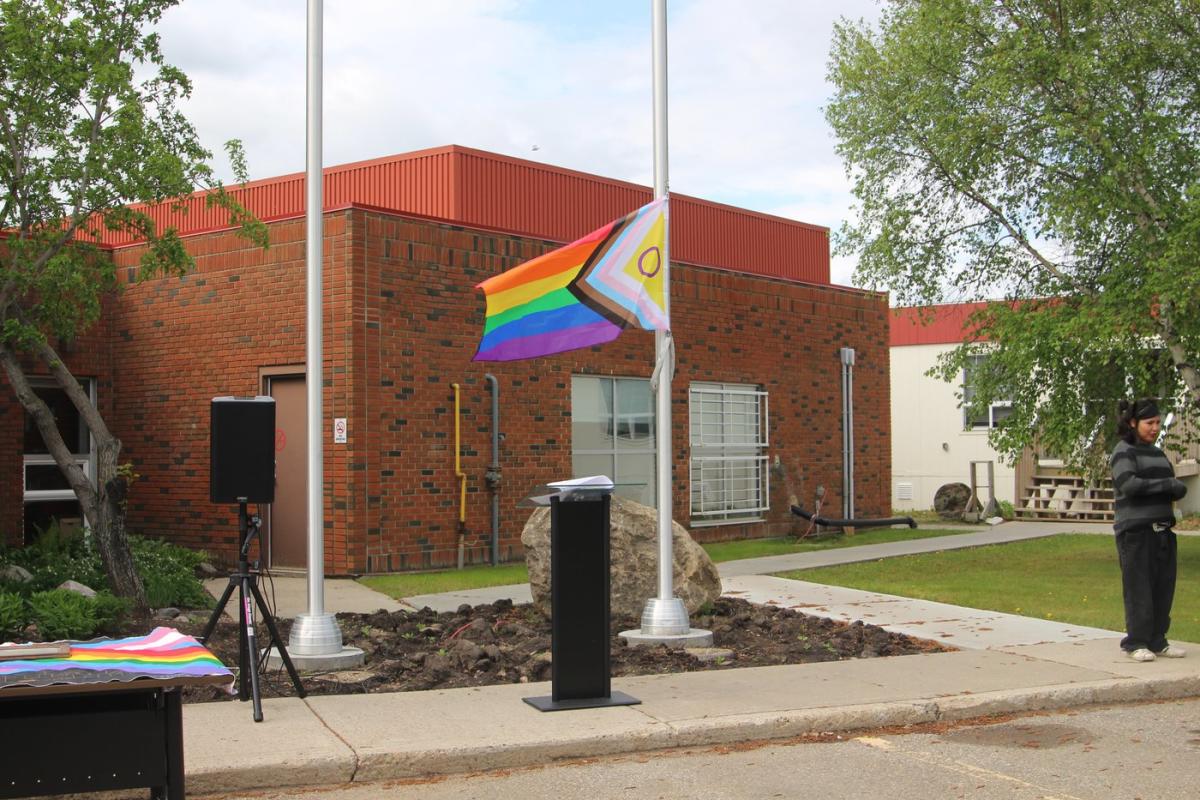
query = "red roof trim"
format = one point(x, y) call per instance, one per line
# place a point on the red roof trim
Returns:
point(940, 324)
point(464, 186)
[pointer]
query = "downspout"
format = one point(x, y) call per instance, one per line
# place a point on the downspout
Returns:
point(492, 476)
point(462, 477)
point(847, 357)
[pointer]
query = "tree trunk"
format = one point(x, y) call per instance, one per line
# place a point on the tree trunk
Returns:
point(114, 545)
point(103, 505)
point(1179, 354)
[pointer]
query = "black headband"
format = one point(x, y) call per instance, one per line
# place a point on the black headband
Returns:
point(1145, 409)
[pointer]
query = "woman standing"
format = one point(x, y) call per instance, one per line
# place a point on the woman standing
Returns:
point(1145, 486)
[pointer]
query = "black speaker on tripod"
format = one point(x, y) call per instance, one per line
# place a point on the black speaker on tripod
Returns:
point(242, 470)
point(242, 450)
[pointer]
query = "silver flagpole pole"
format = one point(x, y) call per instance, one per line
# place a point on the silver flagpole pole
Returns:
point(316, 639)
point(665, 618)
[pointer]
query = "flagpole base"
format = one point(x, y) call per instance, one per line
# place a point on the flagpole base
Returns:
point(693, 637)
point(665, 617)
point(315, 635)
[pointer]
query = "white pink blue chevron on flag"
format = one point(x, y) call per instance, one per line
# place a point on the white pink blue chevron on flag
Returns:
point(625, 280)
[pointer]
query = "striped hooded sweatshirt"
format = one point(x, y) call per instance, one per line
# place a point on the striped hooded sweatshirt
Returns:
point(1144, 485)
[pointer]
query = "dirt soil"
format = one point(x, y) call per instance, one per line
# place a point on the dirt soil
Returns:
point(503, 643)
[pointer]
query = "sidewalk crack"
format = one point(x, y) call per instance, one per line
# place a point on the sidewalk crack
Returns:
point(339, 737)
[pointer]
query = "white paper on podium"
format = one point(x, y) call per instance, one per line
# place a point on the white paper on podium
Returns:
point(572, 488)
point(599, 482)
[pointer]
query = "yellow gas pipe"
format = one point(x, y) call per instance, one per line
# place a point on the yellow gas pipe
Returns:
point(462, 477)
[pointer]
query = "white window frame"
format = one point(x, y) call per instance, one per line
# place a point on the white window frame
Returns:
point(728, 451)
point(615, 453)
point(87, 461)
point(968, 390)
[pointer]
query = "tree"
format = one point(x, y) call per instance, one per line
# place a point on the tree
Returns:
point(1046, 152)
point(88, 125)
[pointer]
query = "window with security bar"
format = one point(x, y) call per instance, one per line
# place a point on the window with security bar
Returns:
point(730, 481)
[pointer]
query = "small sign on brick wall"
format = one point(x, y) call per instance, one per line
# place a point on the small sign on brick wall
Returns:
point(339, 430)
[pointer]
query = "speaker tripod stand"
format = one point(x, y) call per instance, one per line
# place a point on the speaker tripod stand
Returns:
point(245, 579)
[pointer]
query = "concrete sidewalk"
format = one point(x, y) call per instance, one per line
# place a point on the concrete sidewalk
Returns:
point(1007, 664)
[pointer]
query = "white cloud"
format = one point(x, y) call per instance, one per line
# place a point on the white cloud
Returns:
point(746, 84)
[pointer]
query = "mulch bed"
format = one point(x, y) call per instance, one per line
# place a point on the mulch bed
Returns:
point(505, 643)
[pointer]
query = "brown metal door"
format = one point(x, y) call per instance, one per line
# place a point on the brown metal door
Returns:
point(287, 527)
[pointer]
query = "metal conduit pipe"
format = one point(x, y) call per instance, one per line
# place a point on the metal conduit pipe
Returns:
point(847, 359)
point(854, 523)
point(462, 477)
point(492, 476)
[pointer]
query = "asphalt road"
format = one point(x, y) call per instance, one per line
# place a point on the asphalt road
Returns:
point(1148, 752)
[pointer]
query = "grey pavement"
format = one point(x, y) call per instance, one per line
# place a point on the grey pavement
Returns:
point(1116, 751)
point(1006, 664)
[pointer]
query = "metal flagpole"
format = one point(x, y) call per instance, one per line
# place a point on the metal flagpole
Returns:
point(315, 633)
point(665, 618)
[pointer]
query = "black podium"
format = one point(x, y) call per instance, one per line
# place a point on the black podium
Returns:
point(579, 600)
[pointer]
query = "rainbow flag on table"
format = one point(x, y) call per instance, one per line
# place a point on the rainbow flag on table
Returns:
point(582, 294)
point(164, 653)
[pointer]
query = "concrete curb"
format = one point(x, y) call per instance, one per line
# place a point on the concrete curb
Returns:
point(774, 725)
point(243, 755)
point(640, 732)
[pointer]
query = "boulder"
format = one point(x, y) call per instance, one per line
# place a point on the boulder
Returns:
point(633, 555)
point(77, 588)
point(15, 573)
point(950, 500)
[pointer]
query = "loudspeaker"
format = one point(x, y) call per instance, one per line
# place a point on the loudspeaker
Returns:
point(242, 451)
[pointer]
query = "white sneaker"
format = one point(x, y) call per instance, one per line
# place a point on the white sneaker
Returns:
point(1141, 654)
point(1171, 651)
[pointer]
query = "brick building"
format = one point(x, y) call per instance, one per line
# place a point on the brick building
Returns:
point(756, 394)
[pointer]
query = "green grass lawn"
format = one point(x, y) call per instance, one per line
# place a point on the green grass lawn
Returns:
point(754, 548)
point(1072, 577)
point(407, 584)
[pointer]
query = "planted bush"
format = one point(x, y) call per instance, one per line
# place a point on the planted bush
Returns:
point(169, 574)
point(62, 614)
point(110, 611)
point(54, 557)
point(14, 615)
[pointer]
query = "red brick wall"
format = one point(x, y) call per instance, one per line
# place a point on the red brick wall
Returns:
point(728, 327)
point(179, 342)
point(402, 320)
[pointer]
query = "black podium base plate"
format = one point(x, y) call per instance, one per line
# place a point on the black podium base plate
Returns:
point(548, 703)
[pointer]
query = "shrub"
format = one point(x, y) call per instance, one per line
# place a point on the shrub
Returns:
point(1006, 510)
point(110, 611)
point(62, 614)
point(54, 557)
point(169, 574)
point(168, 571)
point(13, 615)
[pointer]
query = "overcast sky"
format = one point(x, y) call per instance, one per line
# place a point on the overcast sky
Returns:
point(565, 82)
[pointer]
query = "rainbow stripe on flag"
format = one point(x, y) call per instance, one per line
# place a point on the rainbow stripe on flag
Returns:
point(164, 653)
point(582, 294)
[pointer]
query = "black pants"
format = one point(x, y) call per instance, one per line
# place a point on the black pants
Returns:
point(1148, 580)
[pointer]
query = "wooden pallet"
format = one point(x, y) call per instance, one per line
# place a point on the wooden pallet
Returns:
point(1068, 497)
